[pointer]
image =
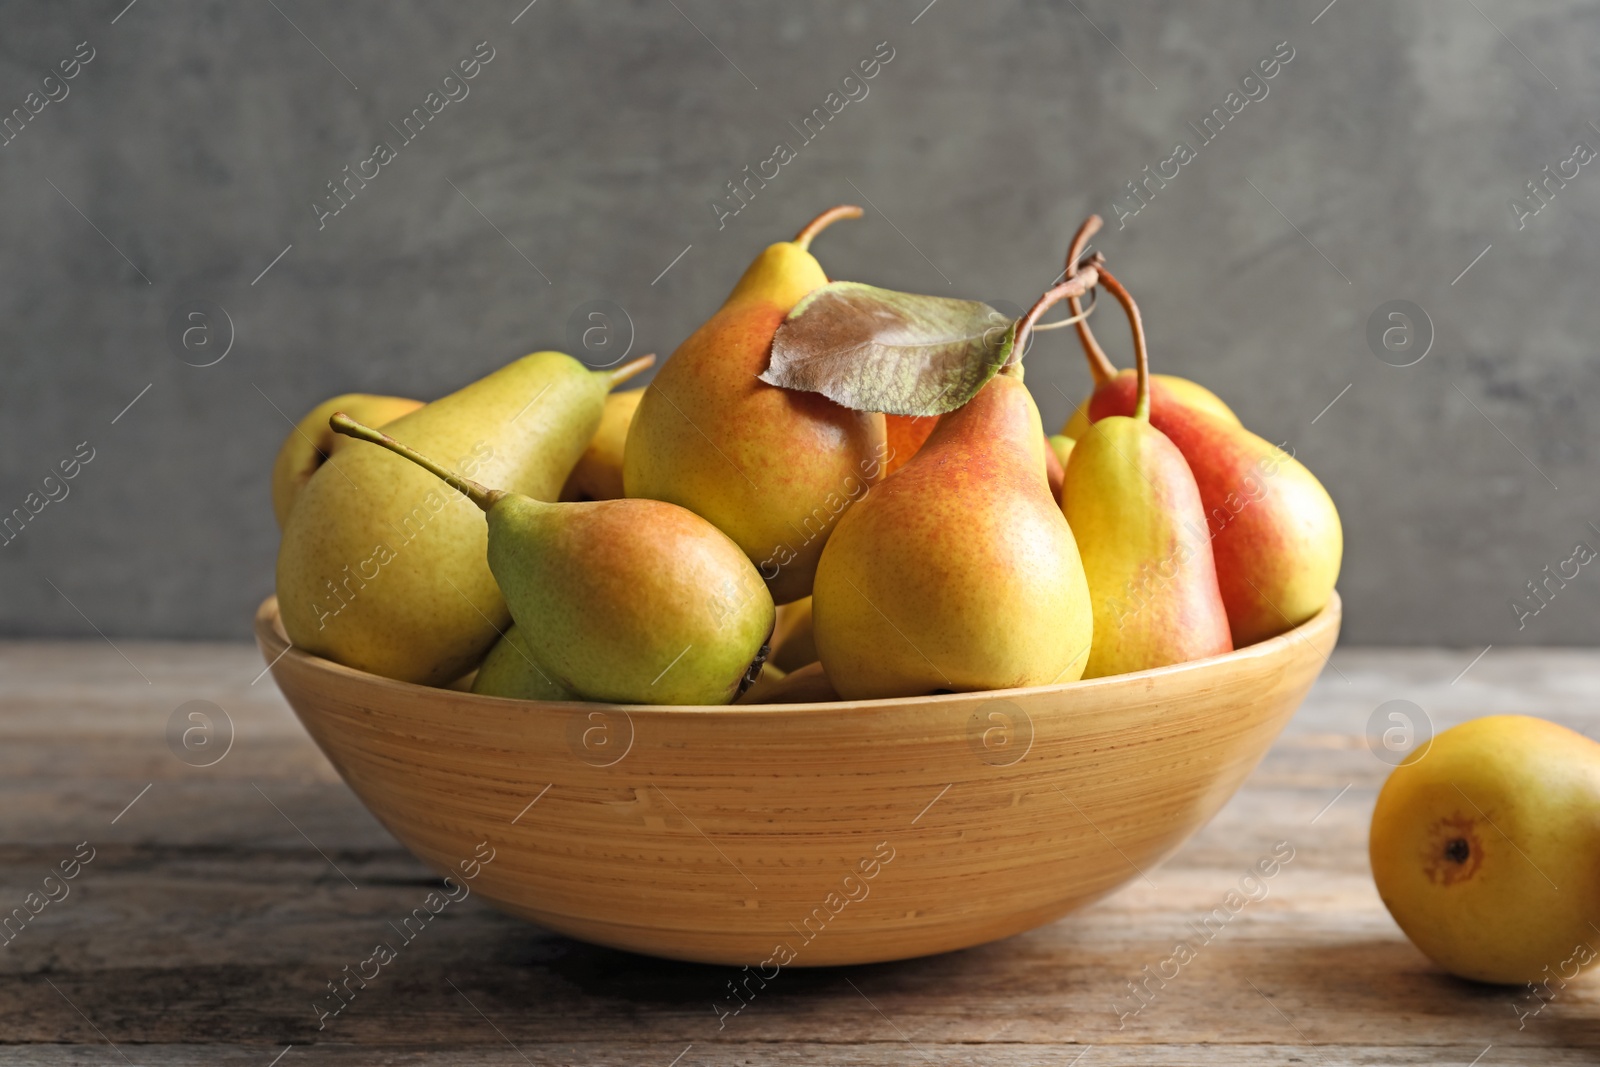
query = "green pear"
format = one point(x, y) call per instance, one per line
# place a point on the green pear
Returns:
point(627, 601)
point(509, 670)
point(381, 570)
point(773, 468)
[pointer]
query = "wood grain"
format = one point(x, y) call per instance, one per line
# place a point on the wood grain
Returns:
point(804, 835)
point(207, 923)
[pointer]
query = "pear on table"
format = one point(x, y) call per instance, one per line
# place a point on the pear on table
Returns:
point(763, 464)
point(383, 570)
point(1135, 509)
point(626, 601)
point(1483, 848)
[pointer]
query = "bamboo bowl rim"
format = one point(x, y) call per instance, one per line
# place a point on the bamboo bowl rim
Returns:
point(276, 646)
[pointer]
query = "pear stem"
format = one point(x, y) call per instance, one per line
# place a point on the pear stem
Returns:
point(1100, 367)
point(823, 221)
point(1076, 285)
point(1094, 295)
point(483, 497)
point(1141, 407)
point(629, 369)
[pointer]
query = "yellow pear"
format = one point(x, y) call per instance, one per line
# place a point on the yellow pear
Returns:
point(1485, 847)
point(959, 572)
point(772, 468)
point(598, 474)
point(383, 569)
point(1135, 509)
point(311, 442)
point(793, 643)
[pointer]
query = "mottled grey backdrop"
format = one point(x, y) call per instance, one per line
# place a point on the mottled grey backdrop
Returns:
point(187, 154)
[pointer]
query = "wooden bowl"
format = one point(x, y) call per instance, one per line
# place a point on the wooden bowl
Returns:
point(804, 834)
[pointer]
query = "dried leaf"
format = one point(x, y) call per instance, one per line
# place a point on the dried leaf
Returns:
point(874, 349)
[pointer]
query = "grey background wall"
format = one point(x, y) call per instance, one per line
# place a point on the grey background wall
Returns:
point(189, 151)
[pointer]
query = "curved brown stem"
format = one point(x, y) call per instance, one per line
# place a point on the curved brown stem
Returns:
point(824, 220)
point(1141, 407)
point(1094, 298)
point(1100, 367)
point(1075, 286)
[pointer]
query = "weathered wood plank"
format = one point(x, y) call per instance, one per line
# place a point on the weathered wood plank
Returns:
point(208, 922)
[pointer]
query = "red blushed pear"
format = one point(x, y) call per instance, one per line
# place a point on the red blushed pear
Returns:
point(772, 468)
point(958, 573)
point(1274, 530)
point(906, 434)
point(1166, 390)
point(1135, 510)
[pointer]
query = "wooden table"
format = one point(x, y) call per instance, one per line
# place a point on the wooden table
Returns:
point(220, 900)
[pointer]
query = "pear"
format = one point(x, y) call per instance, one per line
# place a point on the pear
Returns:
point(598, 473)
point(625, 601)
point(808, 685)
point(1055, 471)
point(772, 468)
point(959, 572)
point(766, 683)
point(1166, 390)
point(1275, 532)
point(1135, 509)
point(1276, 536)
point(509, 670)
point(794, 644)
point(311, 442)
point(1061, 445)
point(1485, 847)
point(905, 434)
point(382, 571)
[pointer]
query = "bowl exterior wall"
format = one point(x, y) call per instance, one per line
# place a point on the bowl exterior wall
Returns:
point(805, 835)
